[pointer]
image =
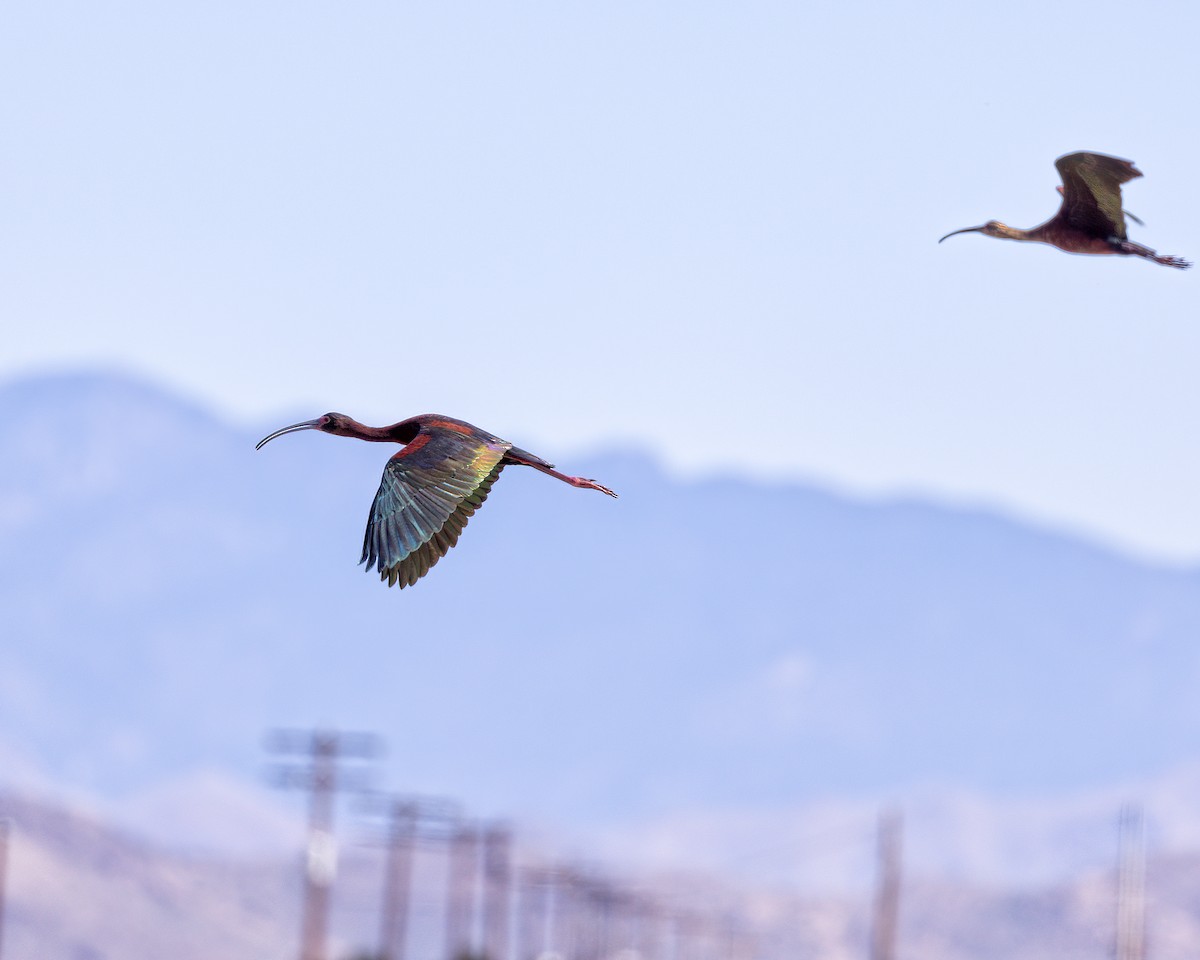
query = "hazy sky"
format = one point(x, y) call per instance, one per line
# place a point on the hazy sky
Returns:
point(706, 229)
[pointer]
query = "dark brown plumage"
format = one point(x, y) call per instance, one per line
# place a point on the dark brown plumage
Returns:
point(1090, 219)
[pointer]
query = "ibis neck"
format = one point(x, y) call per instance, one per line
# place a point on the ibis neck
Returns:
point(403, 432)
point(1006, 232)
point(361, 431)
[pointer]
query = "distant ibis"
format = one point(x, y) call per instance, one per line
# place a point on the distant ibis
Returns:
point(430, 488)
point(1090, 219)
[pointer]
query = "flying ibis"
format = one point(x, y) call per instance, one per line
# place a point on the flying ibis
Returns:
point(1090, 219)
point(430, 488)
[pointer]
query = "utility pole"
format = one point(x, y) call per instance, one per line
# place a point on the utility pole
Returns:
point(320, 777)
point(461, 873)
point(565, 932)
point(397, 882)
point(535, 889)
point(649, 930)
point(589, 919)
point(689, 936)
point(5, 831)
point(600, 905)
point(407, 814)
point(675, 935)
point(1131, 884)
point(887, 891)
point(497, 890)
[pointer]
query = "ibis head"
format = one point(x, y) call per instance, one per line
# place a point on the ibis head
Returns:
point(336, 423)
point(993, 228)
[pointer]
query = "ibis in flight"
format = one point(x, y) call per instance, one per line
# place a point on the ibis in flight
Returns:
point(430, 488)
point(1090, 219)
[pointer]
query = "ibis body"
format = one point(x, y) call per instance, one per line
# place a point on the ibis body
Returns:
point(1091, 218)
point(430, 489)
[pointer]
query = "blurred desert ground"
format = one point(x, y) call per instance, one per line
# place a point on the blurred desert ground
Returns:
point(79, 889)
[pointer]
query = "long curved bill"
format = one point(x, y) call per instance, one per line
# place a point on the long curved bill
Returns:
point(963, 230)
point(306, 425)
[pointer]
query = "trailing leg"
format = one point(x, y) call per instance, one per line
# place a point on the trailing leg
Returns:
point(1137, 250)
point(525, 459)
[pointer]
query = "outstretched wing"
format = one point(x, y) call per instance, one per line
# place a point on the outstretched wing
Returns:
point(1092, 192)
point(429, 491)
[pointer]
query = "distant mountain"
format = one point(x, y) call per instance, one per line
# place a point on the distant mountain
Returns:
point(718, 646)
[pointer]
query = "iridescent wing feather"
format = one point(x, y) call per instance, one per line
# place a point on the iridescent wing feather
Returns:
point(430, 489)
point(1092, 192)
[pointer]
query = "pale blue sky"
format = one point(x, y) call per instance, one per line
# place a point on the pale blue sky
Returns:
point(706, 229)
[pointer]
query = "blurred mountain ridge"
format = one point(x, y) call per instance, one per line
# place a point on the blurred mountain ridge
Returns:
point(718, 646)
